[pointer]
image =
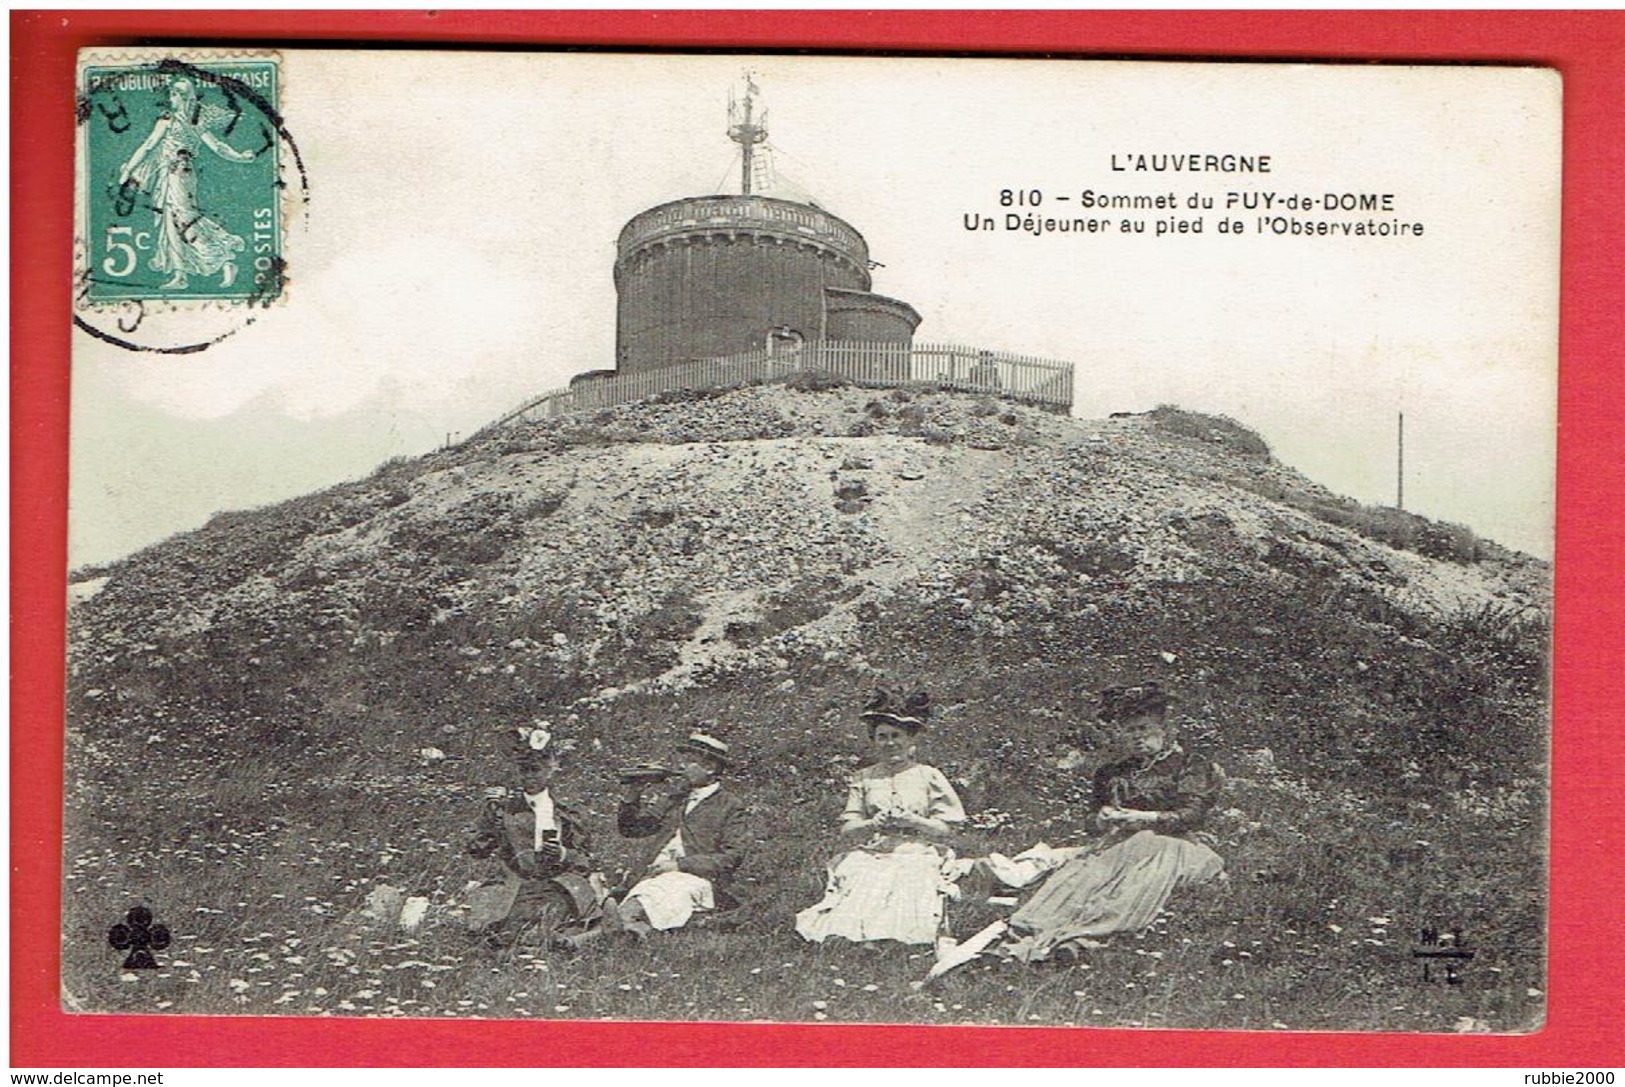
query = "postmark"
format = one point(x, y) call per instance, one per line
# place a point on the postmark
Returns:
point(187, 181)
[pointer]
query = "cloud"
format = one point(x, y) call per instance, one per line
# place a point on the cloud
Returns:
point(407, 320)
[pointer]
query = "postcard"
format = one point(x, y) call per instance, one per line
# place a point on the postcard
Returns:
point(799, 539)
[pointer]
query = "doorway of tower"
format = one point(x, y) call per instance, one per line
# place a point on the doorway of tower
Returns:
point(783, 340)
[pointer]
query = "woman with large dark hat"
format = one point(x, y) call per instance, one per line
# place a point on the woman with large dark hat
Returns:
point(1147, 804)
point(899, 814)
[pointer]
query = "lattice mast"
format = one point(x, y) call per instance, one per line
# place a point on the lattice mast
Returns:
point(747, 129)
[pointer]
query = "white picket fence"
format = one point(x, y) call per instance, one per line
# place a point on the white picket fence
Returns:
point(1046, 383)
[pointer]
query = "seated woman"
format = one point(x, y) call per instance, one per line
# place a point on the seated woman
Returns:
point(1147, 803)
point(891, 885)
point(543, 844)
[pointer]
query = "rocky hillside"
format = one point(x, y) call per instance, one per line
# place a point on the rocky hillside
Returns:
point(757, 560)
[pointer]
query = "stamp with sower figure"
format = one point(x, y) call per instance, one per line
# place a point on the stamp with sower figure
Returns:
point(181, 191)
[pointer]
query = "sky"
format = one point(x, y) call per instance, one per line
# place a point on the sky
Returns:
point(454, 259)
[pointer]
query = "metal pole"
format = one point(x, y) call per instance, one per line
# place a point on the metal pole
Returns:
point(747, 132)
point(1401, 502)
point(748, 144)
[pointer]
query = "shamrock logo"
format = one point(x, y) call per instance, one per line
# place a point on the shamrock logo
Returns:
point(140, 937)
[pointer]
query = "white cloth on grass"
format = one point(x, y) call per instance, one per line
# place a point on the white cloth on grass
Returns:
point(671, 899)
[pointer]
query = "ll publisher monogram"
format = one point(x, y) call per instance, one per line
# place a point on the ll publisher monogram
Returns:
point(1444, 954)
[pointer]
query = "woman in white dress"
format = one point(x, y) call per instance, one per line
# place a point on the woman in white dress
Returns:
point(899, 815)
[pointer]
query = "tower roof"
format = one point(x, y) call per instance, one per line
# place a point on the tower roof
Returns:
point(693, 218)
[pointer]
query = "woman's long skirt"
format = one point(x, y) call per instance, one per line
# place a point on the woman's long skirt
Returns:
point(1121, 889)
point(881, 896)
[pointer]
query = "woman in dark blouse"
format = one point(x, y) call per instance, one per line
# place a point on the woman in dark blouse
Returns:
point(1146, 803)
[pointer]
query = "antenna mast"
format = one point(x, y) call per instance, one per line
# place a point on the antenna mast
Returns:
point(746, 130)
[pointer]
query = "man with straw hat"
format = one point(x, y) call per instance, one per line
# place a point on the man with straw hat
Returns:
point(699, 834)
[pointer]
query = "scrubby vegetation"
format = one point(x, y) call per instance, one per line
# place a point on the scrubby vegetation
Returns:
point(1398, 529)
point(1393, 527)
point(1220, 430)
point(815, 381)
point(248, 704)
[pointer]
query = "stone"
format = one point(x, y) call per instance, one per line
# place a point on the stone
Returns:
point(413, 912)
point(384, 904)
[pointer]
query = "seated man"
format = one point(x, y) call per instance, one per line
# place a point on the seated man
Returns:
point(541, 841)
point(702, 833)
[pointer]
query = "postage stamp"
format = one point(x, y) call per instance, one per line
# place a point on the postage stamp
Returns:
point(182, 199)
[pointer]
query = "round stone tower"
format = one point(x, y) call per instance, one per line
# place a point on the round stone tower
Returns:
point(706, 276)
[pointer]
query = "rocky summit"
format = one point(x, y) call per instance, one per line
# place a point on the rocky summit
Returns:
point(756, 561)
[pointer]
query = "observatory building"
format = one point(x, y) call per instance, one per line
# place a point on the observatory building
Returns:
point(715, 292)
point(708, 276)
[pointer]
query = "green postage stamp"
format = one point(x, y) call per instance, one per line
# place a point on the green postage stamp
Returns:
point(180, 183)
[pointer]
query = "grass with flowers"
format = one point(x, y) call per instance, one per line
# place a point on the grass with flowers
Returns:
point(1336, 863)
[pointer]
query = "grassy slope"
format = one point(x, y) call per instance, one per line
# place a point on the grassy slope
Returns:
point(246, 701)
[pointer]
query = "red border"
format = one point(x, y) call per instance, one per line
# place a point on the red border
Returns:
point(1587, 844)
